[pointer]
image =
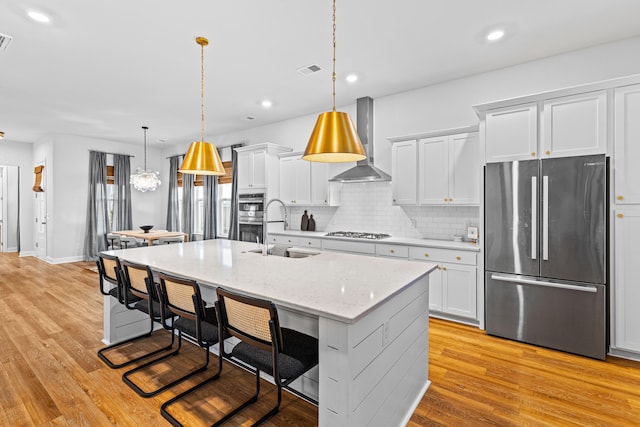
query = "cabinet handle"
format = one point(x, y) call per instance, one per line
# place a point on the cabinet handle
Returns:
point(533, 154)
point(458, 258)
point(620, 215)
point(394, 200)
point(392, 251)
point(439, 268)
point(451, 200)
point(308, 243)
point(444, 268)
point(288, 241)
point(445, 199)
point(547, 152)
point(620, 198)
point(426, 254)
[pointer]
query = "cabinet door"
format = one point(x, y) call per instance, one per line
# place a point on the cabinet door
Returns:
point(511, 133)
point(433, 161)
point(575, 125)
point(287, 180)
point(319, 183)
point(245, 170)
point(260, 169)
point(464, 169)
point(627, 144)
point(627, 287)
point(404, 178)
point(302, 181)
point(459, 290)
point(435, 290)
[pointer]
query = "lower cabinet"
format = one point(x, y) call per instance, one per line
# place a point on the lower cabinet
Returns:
point(453, 286)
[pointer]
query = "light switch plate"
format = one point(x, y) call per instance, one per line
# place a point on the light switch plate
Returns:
point(472, 232)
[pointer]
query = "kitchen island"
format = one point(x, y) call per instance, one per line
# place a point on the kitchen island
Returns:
point(370, 317)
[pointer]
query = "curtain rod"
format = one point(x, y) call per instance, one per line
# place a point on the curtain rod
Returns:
point(115, 154)
point(219, 148)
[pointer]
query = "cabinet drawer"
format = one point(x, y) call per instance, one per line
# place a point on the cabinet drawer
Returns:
point(395, 251)
point(284, 240)
point(344, 246)
point(307, 242)
point(443, 255)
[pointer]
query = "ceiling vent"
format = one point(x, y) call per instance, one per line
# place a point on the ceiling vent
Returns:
point(309, 69)
point(5, 40)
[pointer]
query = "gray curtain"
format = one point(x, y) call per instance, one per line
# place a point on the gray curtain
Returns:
point(122, 217)
point(210, 183)
point(187, 204)
point(233, 227)
point(173, 222)
point(97, 223)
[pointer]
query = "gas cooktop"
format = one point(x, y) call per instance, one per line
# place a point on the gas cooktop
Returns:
point(358, 235)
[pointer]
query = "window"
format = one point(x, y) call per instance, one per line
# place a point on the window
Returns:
point(111, 193)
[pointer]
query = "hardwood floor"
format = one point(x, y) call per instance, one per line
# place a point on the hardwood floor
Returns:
point(51, 327)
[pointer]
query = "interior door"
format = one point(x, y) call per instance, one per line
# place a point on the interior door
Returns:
point(511, 217)
point(41, 225)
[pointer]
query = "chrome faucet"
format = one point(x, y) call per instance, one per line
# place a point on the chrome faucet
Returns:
point(265, 247)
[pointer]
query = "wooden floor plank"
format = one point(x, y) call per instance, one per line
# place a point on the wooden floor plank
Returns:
point(51, 328)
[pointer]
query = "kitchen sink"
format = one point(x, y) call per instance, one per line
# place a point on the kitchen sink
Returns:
point(288, 252)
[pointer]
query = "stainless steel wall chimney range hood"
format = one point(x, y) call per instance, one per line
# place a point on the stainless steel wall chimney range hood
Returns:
point(364, 171)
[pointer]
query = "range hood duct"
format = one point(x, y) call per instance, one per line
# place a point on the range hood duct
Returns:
point(364, 171)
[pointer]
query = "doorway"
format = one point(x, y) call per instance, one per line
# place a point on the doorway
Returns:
point(9, 209)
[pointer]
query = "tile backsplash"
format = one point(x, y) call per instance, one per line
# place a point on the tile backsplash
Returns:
point(368, 207)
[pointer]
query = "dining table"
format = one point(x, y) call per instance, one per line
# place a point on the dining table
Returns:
point(151, 235)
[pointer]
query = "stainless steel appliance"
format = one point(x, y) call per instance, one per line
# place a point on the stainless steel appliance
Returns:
point(546, 253)
point(357, 235)
point(250, 215)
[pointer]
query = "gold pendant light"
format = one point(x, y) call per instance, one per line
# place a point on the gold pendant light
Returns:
point(202, 157)
point(334, 138)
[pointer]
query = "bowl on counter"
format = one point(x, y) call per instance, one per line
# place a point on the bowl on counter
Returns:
point(146, 228)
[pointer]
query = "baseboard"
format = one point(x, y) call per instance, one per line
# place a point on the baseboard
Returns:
point(27, 253)
point(64, 260)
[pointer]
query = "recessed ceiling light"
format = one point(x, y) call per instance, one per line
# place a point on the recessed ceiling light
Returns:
point(495, 35)
point(39, 17)
point(352, 78)
point(266, 103)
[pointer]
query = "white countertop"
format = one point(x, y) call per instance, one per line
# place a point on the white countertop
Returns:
point(335, 285)
point(432, 243)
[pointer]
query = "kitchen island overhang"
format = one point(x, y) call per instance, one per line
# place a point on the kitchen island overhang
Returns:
point(369, 314)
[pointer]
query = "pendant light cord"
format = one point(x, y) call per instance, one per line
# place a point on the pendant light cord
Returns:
point(202, 62)
point(333, 75)
point(145, 147)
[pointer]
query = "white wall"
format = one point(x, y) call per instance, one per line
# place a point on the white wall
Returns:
point(20, 155)
point(68, 189)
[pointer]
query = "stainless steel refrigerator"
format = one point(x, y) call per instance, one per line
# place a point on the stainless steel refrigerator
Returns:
point(546, 253)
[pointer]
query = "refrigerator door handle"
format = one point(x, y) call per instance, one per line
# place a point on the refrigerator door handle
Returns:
point(534, 217)
point(499, 278)
point(545, 218)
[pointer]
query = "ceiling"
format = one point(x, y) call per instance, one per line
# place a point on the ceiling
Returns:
point(104, 69)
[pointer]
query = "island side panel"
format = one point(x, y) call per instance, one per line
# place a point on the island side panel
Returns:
point(374, 371)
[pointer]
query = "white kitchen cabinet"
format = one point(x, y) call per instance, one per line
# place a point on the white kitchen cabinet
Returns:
point(258, 167)
point(453, 286)
point(404, 173)
point(363, 248)
point(511, 133)
point(574, 125)
point(626, 313)
point(295, 181)
point(449, 170)
point(627, 145)
point(320, 187)
point(392, 251)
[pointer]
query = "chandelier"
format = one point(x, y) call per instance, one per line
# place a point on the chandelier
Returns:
point(145, 180)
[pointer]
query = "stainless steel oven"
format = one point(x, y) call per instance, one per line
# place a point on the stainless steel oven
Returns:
point(250, 216)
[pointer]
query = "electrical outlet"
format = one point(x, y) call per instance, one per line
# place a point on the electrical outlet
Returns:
point(472, 232)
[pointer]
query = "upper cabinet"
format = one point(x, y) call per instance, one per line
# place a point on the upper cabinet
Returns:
point(511, 133)
point(627, 144)
point(438, 168)
point(449, 170)
point(304, 183)
point(404, 172)
point(574, 125)
point(258, 166)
